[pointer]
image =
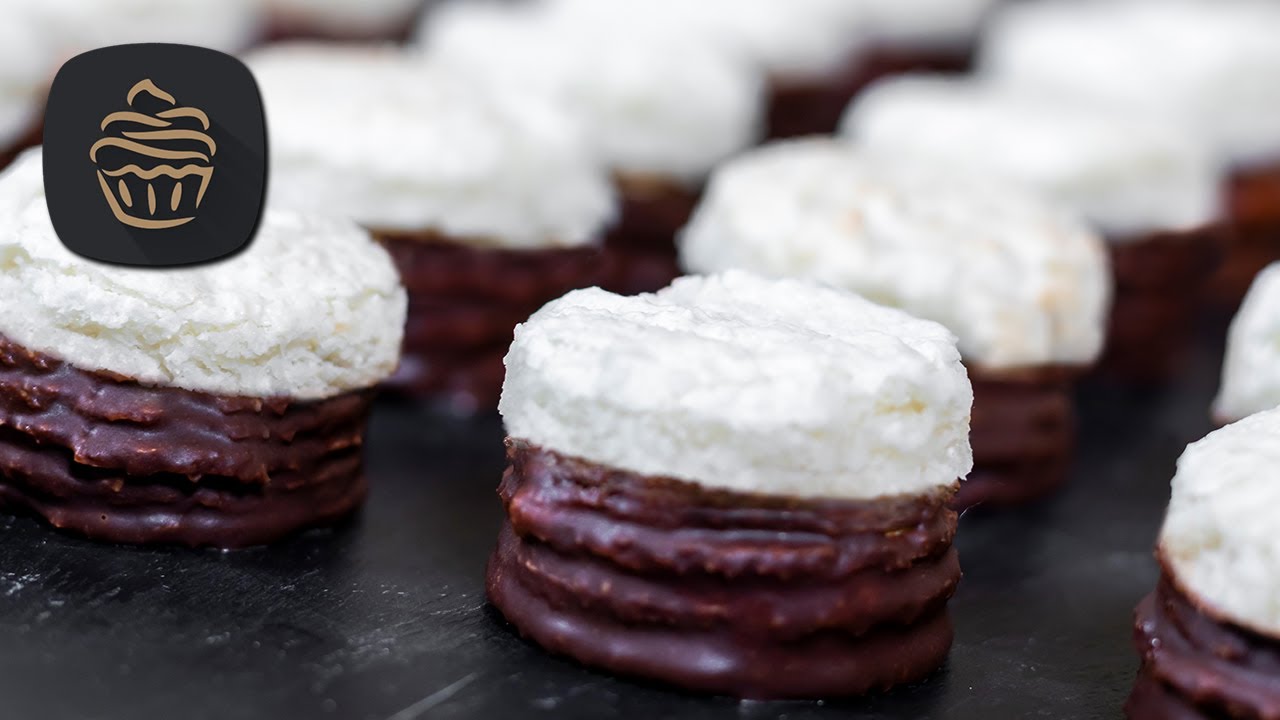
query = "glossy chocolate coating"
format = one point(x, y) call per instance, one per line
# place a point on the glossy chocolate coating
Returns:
point(1196, 666)
point(116, 460)
point(722, 592)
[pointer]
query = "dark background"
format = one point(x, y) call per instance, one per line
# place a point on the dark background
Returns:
point(385, 619)
point(92, 85)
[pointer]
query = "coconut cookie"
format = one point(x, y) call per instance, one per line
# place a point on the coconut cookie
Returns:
point(1152, 189)
point(489, 202)
point(1209, 65)
point(1209, 635)
point(736, 486)
point(222, 405)
point(1025, 286)
point(1251, 371)
point(658, 106)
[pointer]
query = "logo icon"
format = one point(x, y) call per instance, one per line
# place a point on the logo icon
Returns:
point(155, 152)
point(155, 155)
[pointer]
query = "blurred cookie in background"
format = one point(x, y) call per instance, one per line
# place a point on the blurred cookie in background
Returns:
point(810, 51)
point(341, 20)
point(1150, 187)
point(490, 202)
point(80, 25)
point(1211, 66)
point(27, 66)
point(1024, 284)
point(660, 107)
point(1251, 370)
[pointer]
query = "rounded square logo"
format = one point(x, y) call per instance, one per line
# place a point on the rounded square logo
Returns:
point(155, 155)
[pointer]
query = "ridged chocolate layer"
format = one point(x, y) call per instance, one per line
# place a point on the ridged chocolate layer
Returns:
point(1195, 666)
point(814, 106)
point(1254, 202)
point(1023, 435)
point(640, 250)
point(464, 302)
point(116, 460)
point(1160, 285)
point(721, 592)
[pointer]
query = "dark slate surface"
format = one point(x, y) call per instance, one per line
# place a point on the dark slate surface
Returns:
point(385, 618)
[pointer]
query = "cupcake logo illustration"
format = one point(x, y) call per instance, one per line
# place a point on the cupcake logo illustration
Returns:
point(155, 155)
point(155, 162)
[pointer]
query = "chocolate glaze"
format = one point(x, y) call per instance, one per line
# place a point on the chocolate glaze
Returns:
point(110, 422)
point(464, 302)
point(1254, 202)
point(1212, 668)
point(116, 460)
point(651, 524)
point(640, 250)
point(1023, 435)
point(814, 106)
point(1153, 700)
point(1160, 283)
point(722, 592)
point(760, 607)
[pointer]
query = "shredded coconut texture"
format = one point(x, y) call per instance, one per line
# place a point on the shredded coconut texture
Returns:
point(780, 387)
point(311, 309)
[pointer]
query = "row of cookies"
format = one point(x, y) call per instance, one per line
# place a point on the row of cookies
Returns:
point(605, 557)
point(489, 203)
point(729, 477)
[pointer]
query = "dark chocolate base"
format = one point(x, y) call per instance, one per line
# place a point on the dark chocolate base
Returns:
point(1023, 436)
point(1195, 666)
point(815, 106)
point(1160, 286)
point(1254, 197)
point(720, 592)
point(640, 250)
point(114, 460)
point(464, 303)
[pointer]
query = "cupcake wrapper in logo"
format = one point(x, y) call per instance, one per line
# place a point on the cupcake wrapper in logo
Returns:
point(148, 146)
point(155, 155)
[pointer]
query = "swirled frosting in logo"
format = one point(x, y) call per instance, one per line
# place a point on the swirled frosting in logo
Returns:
point(155, 161)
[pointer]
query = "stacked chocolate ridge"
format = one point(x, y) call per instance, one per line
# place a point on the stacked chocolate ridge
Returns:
point(464, 302)
point(723, 592)
point(1160, 284)
point(1023, 435)
point(111, 459)
point(1196, 667)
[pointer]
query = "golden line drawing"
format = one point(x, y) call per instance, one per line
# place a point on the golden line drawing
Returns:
point(141, 154)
